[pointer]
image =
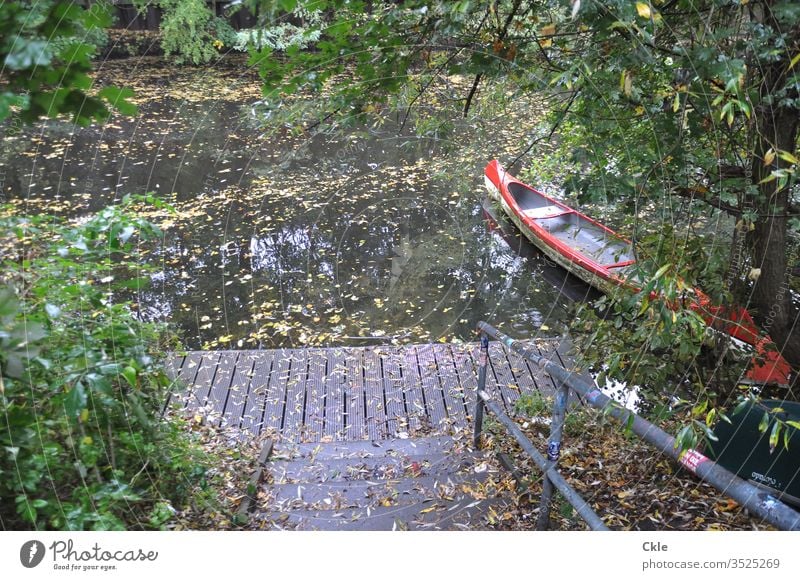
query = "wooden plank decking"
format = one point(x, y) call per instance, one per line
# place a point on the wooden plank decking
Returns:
point(351, 393)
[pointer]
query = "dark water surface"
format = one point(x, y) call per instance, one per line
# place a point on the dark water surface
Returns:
point(286, 239)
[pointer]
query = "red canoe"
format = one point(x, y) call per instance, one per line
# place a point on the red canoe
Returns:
point(606, 260)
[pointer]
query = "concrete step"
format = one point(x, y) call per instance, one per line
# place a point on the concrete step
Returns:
point(462, 514)
point(382, 448)
point(421, 483)
point(336, 495)
point(303, 470)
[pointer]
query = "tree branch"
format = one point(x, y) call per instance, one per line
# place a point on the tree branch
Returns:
point(424, 88)
point(471, 94)
point(716, 202)
point(553, 129)
point(500, 37)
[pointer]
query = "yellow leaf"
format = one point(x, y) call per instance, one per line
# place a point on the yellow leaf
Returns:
point(548, 30)
point(767, 179)
point(84, 415)
point(769, 157)
point(87, 440)
point(643, 9)
point(795, 60)
point(626, 83)
point(727, 505)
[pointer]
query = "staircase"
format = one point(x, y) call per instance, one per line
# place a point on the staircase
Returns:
point(427, 483)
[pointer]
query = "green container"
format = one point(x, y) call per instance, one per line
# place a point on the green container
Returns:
point(744, 450)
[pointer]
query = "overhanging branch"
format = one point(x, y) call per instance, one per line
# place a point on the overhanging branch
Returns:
point(714, 201)
point(501, 37)
point(553, 129)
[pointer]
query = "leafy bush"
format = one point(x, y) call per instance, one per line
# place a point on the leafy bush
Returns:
point(190, 31)
point(654, 339)
point(95, 38)
point(186, 31)
point(284, 34)
point(45, 50)
point(82, 443)
point(538, 406)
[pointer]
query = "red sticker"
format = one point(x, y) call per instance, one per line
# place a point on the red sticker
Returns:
point(692, 460)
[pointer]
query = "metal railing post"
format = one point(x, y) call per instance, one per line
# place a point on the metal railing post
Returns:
point(759, 502)
point(581, 506)
point(483, 362)
point(553, 452)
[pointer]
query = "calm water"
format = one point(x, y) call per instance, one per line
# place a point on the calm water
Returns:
point(288, 239)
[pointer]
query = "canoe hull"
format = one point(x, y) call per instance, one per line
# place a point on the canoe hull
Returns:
point(606, 274)
point(607, 285)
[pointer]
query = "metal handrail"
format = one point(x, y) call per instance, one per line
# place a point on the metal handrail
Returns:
point(756, 500)
point(552, 477)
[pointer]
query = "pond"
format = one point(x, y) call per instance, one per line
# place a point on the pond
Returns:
point(368, 235)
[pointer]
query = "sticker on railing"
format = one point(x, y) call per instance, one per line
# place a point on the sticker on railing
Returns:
point(553, 450)
point(692, 459)
point(592, 395)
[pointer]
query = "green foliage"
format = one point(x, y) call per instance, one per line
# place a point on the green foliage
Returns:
point(655, 338)
point(664, 114)
point(83, 445)
point(190, 31)
point(378, 43)
point(533, 405)
point(96, 37)
point(566, 510)
point(781, 430)
point(283, 35)
point(46, 49)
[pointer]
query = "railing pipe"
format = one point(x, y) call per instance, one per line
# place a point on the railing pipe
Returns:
point(758, 501)
point(566, 490)
point(553, 453)
point(483, 361)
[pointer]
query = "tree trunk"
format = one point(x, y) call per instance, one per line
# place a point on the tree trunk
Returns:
point(776, 130)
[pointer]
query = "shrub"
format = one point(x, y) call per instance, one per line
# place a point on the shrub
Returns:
point(83, 445)
point(536, 405)
point(190, 31)
point(283, 35)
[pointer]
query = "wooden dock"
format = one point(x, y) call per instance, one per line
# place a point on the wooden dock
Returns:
point(351, 393)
